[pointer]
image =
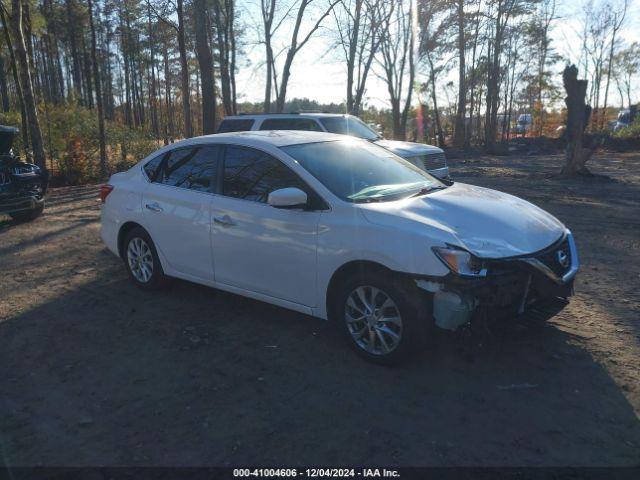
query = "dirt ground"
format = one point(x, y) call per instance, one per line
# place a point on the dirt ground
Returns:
point(96, 372)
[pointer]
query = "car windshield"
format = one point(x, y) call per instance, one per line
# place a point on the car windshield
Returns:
point(348, 125)
point(358, 171)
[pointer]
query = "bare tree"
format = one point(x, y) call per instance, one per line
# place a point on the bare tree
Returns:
point(224, 16)
point(617, 20)
point(431, 47)
point(205, 61)
point(596, 19)
point(297, 42)
point(397, 62)
point(545, 16)
point(460, 128)
point(184, 73)
point(627, 63)
point(502, 12)
point(358, 26)
point(268, 9)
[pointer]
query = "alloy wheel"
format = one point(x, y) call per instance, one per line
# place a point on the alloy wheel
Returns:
point(140, 259)
point(373, 320)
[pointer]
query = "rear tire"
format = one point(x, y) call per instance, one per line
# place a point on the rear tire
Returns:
point(141, 260)
point(27, 215)
point(383, 318)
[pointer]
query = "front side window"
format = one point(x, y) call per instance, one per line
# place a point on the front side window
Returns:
point(235, 125)
point(290, 124)
point(252, 175)
point(359, 171)
point(348, 125)
point(191, 168)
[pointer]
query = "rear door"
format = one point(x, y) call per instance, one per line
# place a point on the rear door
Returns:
point(177, 208)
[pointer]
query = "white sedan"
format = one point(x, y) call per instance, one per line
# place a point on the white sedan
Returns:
point(338, 228)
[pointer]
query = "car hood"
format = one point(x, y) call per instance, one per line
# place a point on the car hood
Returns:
point(407, 149)
point(488, 223)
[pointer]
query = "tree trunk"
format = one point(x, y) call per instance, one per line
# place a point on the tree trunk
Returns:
point(205, 61)
point(87, 75)
point(351, 58)
point(268, 11)
point(434, 98)
point(154, 98)
point(76, 68)
point(436, 114)
point(460, 130)
point(606, 89)
point(99, 99)
point(25, 73)
point(16, 80)
point(4, 91)
point(232, 61)
point(224, 21)
point(28, 40)
point(578, 113)
point(167, 94)
point(184, 73)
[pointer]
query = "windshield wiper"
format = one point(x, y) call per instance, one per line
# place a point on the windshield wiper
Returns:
point(424, 191)
point(370, 200)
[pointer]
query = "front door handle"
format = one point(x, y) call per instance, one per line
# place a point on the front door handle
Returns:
point(224, 220)
point(154, 207)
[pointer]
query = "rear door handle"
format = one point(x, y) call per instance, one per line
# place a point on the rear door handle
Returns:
point(224, 220)
point(154, 207)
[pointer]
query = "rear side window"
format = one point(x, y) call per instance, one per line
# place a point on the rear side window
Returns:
point(191, 168)
point(291, 124)
point(152, 167)
point(252, 175)
point(235, 125)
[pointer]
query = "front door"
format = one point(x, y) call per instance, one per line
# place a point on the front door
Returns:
point(258, 247)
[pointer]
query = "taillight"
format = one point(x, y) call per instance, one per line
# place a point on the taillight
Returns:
point(105, 190)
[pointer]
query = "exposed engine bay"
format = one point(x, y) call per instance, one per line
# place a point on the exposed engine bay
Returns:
point(507, 287)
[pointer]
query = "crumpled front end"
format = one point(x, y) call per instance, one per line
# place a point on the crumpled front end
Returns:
point(506, 287)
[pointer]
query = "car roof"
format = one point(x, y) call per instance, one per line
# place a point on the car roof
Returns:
point(261, 138)
point(249, 116)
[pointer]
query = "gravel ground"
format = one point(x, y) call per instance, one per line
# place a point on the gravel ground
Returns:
point(96, 372)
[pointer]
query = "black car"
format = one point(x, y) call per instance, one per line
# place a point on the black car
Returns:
point(22, 185)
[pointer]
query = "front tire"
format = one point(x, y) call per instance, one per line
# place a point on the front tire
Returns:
point(142, 262)
point(383, 318)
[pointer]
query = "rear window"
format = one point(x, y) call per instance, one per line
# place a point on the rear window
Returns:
point(235, 125)
point(291, 124)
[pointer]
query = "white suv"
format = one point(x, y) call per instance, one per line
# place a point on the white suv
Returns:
point(338, 228)
point(427, 157)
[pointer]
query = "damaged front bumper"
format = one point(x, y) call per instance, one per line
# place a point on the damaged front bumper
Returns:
point(507, 287)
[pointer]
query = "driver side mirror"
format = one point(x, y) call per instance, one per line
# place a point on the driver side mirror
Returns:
point(287, 198)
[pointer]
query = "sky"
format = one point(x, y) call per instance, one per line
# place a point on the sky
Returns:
point(318, 70)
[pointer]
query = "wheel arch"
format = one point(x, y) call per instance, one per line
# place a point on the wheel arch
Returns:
point(354, 267)
point(122, 234)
